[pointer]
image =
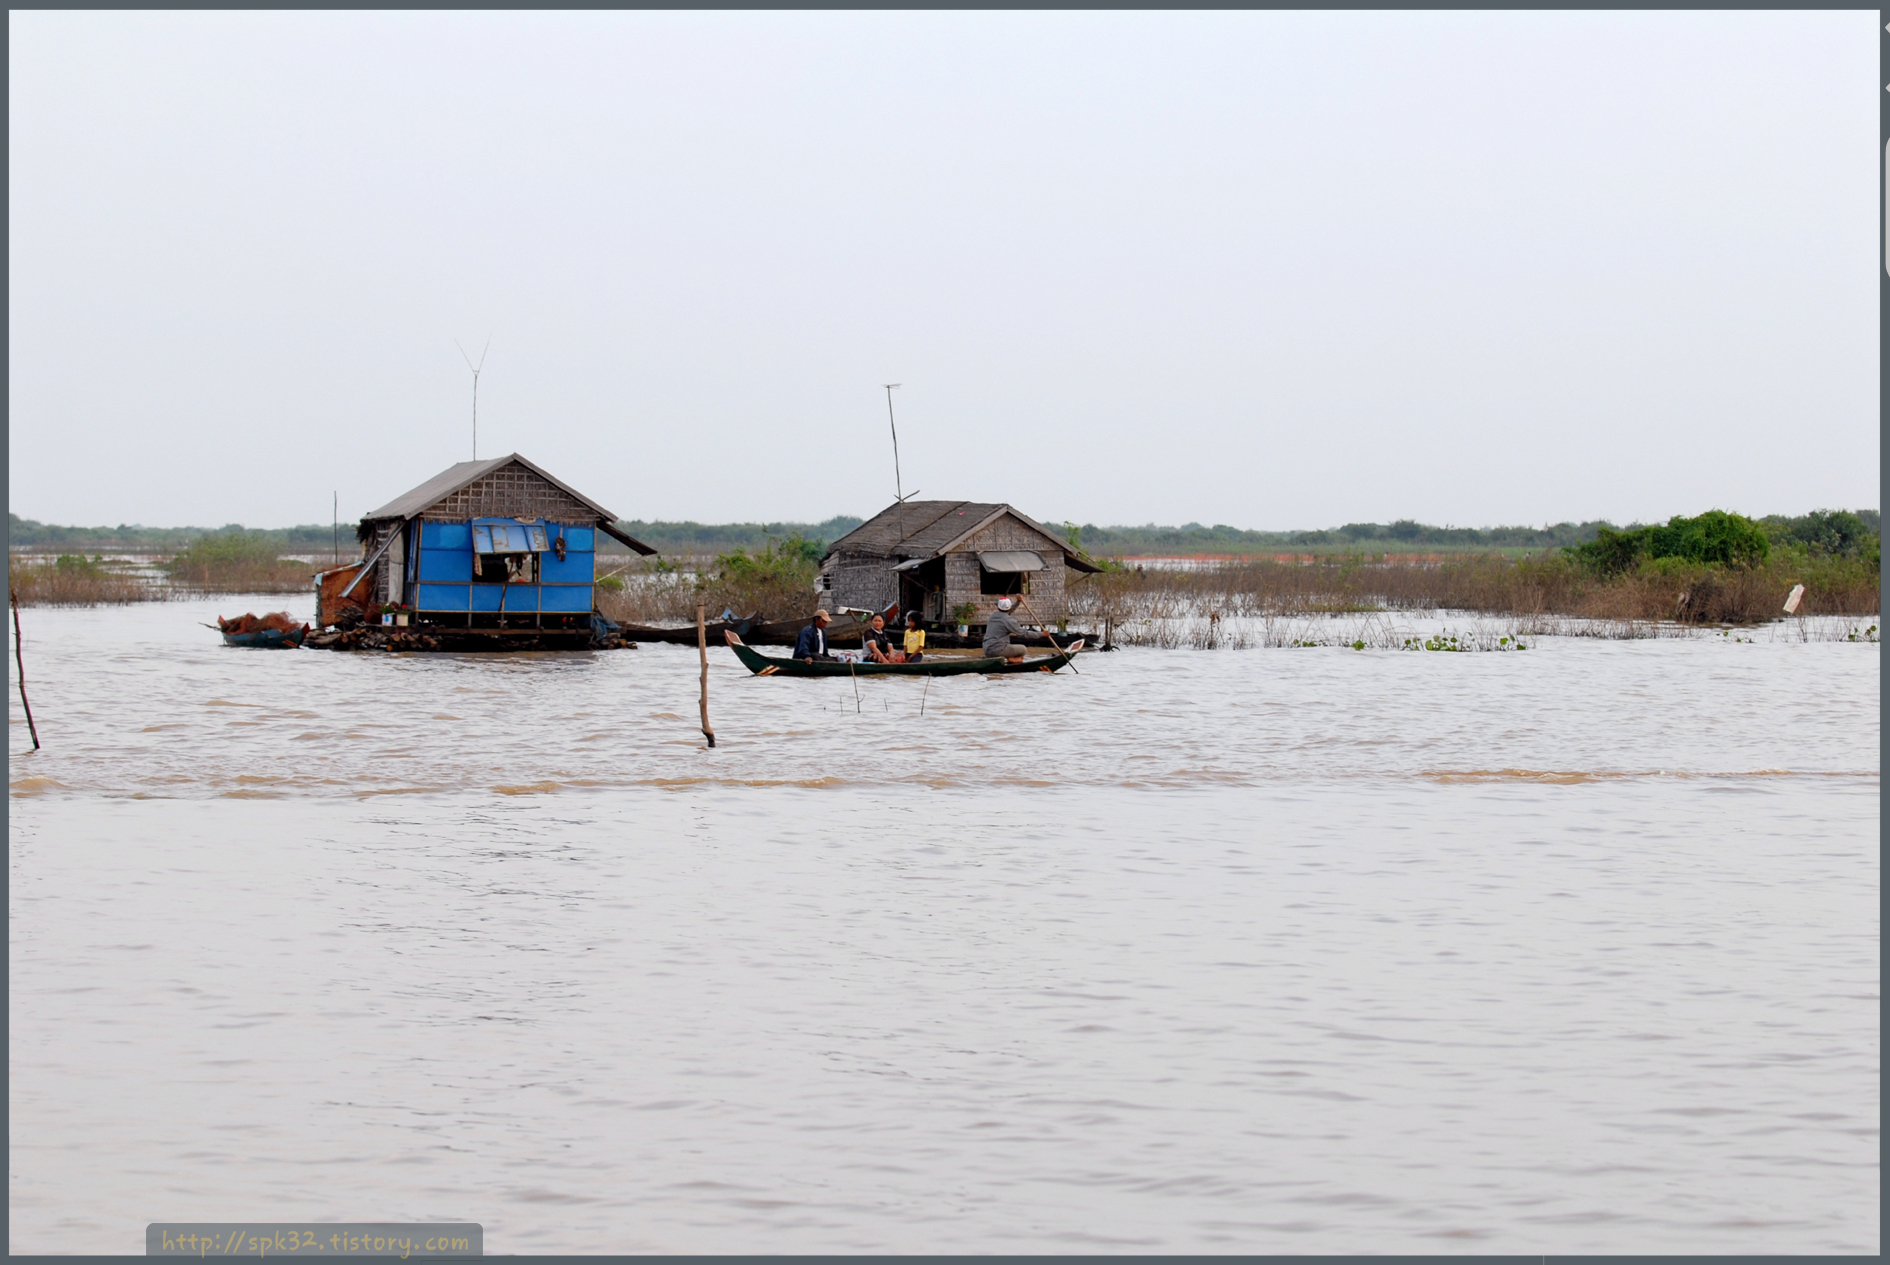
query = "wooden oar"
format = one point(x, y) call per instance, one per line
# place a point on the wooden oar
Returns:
point(1046, 632)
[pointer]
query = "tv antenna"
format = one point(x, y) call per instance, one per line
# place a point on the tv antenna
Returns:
point(898, 486)
point(475, 373)
point(899, 490)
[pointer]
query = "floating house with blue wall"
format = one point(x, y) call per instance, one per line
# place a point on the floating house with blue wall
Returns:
point(498, 547)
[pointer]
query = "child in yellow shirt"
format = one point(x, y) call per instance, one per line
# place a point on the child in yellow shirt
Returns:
point(915, 638)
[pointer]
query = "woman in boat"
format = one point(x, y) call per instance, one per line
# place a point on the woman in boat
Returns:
point(915, 638)
point(876, 643)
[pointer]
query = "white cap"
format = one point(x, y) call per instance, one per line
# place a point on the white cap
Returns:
point(1004, 603)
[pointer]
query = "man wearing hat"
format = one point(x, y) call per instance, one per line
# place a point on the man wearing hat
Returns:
point(999, 631)
point(812, 643)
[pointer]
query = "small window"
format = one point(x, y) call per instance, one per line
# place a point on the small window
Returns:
point(505, 568)
point(497, 535)
point(999, 583)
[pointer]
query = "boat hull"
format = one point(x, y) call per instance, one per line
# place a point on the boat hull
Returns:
point(267, 639)
point(768, 665)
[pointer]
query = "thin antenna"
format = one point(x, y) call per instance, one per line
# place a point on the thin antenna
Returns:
point(337, 528)
point(899, 490)
point(898, 485)
point(475, 373)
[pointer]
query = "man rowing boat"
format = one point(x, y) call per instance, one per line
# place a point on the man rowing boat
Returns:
point(999, 631)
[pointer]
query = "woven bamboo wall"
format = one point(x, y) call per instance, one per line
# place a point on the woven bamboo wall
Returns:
point(510, 492)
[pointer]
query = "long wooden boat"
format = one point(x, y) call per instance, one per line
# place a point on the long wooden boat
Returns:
point(767, 665)
point(842, 634)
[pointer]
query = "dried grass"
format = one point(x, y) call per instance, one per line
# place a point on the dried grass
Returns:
point(1486, 584)
point(63, 583)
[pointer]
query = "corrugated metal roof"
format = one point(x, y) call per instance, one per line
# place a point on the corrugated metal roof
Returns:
point(458, 475)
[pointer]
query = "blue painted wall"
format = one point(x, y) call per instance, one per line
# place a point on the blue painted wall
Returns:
point(446, 571)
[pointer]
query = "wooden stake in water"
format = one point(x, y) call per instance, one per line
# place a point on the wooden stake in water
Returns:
point(18, 660)
point(702, 644)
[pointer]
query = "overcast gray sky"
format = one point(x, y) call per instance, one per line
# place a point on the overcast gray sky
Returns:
point(1274, 270)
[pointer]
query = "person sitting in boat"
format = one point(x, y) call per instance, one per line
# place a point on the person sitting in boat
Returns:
point(876, 645)
point(915, 638)
point(999, 631)
point(812, 643)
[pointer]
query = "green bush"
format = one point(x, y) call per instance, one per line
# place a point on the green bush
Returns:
point(777, 580)
point(1611, 552)
point(1713, 537)
point(1826, 534)
point(77, 566)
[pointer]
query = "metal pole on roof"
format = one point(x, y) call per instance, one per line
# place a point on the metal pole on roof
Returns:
point(475, 373)
point(898, 485)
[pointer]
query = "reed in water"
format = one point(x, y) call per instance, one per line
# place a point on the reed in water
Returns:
point(75, 580)
point(1657, 590)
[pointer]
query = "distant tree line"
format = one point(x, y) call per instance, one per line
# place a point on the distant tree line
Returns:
point(721, 538)
point(1835, 533)
point(1853, 534)
point(1403, 534)
point(25, 534)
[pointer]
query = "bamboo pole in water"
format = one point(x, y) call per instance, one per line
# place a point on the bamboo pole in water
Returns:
point(702, 645)
point(14, 597)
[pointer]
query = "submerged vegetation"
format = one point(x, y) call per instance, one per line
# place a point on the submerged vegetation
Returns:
point(75, 580)
point(1668, 588)
point(776, 580)
point(236, 562)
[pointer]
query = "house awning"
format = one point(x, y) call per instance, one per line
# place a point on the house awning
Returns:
point(912, 564)
point(508, 535)
point(1008, 560)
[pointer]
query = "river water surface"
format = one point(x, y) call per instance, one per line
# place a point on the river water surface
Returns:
point(1286, 950)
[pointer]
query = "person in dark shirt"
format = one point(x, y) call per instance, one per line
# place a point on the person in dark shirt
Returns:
point(878, 642)
point(812, 643)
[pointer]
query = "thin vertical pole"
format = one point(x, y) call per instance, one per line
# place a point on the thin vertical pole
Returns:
point(21, 662)
point(702, 646)
point(475, 373)
point(898, 484)
point(337, 528)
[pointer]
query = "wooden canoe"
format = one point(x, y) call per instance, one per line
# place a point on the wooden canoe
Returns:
point(767, 665)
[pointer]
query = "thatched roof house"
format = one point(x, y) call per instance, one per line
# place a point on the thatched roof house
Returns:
point(498, 545)
point(937, 556)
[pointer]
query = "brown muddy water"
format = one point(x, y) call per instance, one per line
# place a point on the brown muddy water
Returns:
point(1280, 950)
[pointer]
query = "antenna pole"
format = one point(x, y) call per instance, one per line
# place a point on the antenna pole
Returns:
point(337, 527)
point(475, 373)
point(898, 484)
